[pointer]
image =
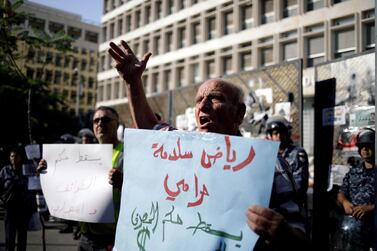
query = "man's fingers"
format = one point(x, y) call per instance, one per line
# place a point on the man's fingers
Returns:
point(265, 212)
point(117, 49)
point(115, 55)
point(126, 47)
point(145, 59)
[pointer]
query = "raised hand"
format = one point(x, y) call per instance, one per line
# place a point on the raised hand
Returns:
point(129, 67)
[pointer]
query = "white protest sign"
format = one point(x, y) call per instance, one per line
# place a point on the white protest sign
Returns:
point(190, 191)
point(75, 184)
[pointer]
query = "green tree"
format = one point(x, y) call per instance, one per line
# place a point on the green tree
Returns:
point(29, 111)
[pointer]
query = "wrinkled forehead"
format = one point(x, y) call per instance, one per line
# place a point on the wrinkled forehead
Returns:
point(215, 86)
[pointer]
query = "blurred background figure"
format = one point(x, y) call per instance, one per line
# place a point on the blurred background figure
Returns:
point(18, 201)
point(87, 136)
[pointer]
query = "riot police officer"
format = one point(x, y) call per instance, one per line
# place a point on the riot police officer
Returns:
point(356, 196)
point(279, 129)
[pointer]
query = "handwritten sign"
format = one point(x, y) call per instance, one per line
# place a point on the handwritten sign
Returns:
point(75, 183)
point(191, 191)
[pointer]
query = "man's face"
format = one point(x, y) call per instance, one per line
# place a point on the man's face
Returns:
point(274, 135)
point(15, 160)
point(215, 110)
point(105, 125)
point(366, 152)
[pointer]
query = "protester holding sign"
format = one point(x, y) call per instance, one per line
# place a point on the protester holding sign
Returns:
point(100, 236)
point(219, 109)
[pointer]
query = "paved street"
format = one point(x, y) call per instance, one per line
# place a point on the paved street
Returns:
point(55, 241)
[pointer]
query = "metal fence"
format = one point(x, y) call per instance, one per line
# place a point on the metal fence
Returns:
point(270, 90)
point(354, 100)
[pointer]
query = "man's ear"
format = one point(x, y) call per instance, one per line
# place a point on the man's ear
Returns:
point(240, 113)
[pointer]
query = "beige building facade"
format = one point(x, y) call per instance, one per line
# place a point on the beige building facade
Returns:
point(71, 74)
point(193, 40)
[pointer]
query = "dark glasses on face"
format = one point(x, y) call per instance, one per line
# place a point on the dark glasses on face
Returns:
point(102, 119)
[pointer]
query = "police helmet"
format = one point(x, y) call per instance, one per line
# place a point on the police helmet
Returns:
point(365, 137)
point(86, 132)
point(278, 123)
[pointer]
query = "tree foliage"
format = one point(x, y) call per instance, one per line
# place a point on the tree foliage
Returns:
point(30, 112)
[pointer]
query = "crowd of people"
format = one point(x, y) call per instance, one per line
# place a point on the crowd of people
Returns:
point(219, 108)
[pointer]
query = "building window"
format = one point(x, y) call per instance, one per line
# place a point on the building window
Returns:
point(211, 28)
point(245, 61)
point(154, 82)
point(37, 23)
point(58, 77)
point(228, 23)
point(91, 36)
point(66, 77)
point(182, 37)
point(167, 80)
point(74, 32)
point(120, 27)
point(146, 46)
point(246, 19)
point(102, 63)
point(117, 93)
point(266, 56)
point(344, 43)
point(158, 9)
point(290, 8)
point(289, 51)
point(368, 31)
point(58, 60)
point(210, 68)
point(369, 36)
point(268, 15)
point(169, 41)
point(314, 4)
point(55, 27)
point(108, 92)
point(195, 33)
point(339, 1)
point(180, 76)
point(100, 93)
point(104, 34)
point(170, 8)
point(91, 82)
point(83, 65)
point(157, 45)
point(48, 76)
point(136, 49)
point(147, 15)
point(112, 30)
point(182, 4)
point(48, 57)
point(227, 65)
point(137, 19)
point(31, 54)
point(128, 23)
point(195, 73)
point(315, 51)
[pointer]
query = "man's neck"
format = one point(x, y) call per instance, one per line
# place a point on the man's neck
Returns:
point(368, 165)
point(114, 142)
